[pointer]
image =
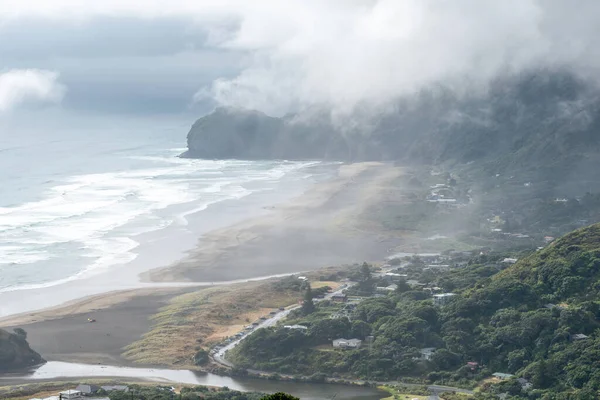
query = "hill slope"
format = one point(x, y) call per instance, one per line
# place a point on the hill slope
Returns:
point(545, 123)
point(15, 352)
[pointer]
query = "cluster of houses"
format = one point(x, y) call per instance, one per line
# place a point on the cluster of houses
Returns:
point(86, 391)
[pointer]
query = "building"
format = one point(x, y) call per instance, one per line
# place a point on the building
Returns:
point(501, 376)
point(579, 336)
point(70, 394)
point(525, 384)
point(88, 390)
point(339, 298)
point(427, 353)
point(472, 365)
point(386, 289)
point(442, 298)
point(299, 327)
point(394, 277)
point(347, 343)
point(509, 260)
point(120, 388)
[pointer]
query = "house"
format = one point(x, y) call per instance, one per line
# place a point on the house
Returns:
point(472, 365)
point(578, 336)
point(525, 384)
point(442, 298)
point(509, 260)
point(414, 283)
point(347, 343)
point(427, 353)
point(88, 390)
point(119, 388)
point(299, 327)
point(386, 289)
point(303, 278)
point(339, 298)
point(501, 376)
point(394, 277)
point(70, 394)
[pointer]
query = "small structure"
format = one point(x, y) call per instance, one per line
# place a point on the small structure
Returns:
point(472, 365)
point(525, 384)
point(501, 376)
point(339, 298)
point(347, 343)
point(427, 353)
point(70, 394)
point(119, 388)
point(386, 289)
point(509, 260)
point(303, 278)
point(442, 298)
point(414, 283)
point(579, 336)
point(548, 239)
point(299, 327)
point(88, 390)
point(395, 277)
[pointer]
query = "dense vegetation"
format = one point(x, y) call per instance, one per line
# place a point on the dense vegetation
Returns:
point(15, 352)
point(522, 320)
point(137, 392)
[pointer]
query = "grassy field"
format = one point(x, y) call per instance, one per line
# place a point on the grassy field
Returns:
point(401, 394)
point(203, 318)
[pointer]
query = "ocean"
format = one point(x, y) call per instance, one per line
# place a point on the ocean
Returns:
point(79, 202)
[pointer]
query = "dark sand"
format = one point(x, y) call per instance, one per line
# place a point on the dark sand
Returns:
point(72, 338)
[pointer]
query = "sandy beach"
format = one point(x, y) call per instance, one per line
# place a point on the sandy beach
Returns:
point(321, 227)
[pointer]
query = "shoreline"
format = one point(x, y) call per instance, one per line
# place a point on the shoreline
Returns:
point(316, 229)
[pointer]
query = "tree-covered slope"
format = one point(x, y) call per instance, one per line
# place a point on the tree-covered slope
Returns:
point(527, 320)
point(15, 352)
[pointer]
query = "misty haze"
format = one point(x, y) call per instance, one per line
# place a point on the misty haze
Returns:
point(264, 200)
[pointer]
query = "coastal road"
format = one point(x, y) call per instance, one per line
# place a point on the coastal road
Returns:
point(219, 355)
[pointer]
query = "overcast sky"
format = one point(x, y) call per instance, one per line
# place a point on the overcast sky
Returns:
point(167, 57)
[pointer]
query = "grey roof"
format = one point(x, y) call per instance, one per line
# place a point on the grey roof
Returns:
point(87, 389)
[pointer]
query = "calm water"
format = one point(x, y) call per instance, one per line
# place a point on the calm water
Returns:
point(308, 391)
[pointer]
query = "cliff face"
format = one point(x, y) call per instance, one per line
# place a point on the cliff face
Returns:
point(245, 134)
point(543, 122)
point(15, 352)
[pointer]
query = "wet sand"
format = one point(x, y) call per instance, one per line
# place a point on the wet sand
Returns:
point(314, 231)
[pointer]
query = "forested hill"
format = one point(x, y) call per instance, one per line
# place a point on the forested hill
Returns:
point(15, 352)
point(567, 271)
point(543, 122)
point(538, 319)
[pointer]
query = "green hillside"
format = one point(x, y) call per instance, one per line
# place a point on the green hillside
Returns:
point(536, 319)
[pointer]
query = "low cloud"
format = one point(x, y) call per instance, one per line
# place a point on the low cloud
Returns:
point(347, 53)
point(18, 87)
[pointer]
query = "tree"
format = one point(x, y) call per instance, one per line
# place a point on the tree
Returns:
point(308, 306)
point(280, 396)
point(201, 357)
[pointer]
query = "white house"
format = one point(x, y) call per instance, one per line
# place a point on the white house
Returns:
point(427, 352)
point(70, 394)
point(300, 327)
point(347, 343)
point(509, 260)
